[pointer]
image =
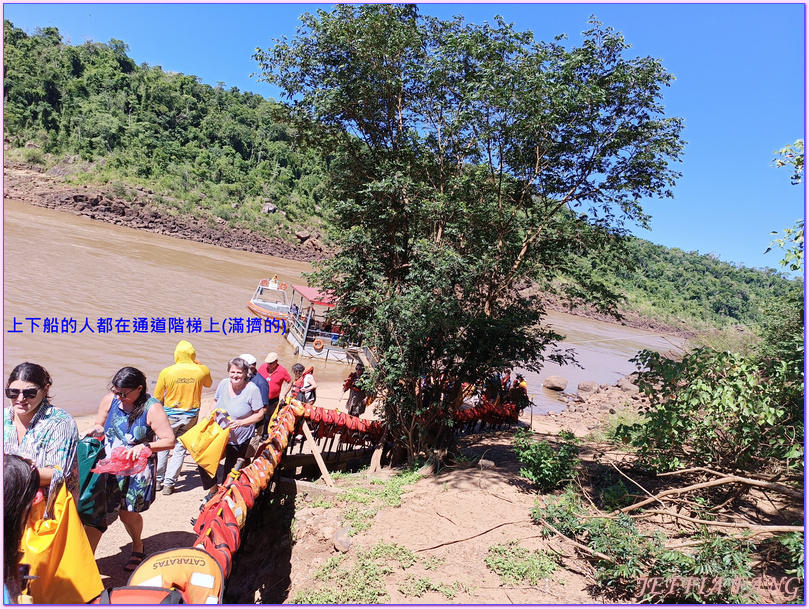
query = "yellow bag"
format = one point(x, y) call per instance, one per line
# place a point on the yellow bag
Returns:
point(207, 440)
point(60, 556)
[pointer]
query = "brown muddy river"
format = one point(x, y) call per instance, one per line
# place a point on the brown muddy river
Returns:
point(59, 268)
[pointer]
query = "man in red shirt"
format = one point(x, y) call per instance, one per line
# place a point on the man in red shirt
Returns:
point(276, 376)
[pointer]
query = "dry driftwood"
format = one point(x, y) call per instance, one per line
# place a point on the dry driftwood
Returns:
point(732, 525)
point(779, 488)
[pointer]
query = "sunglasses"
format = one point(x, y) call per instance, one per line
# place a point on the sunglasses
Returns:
point(121, 394)
point(28, 394)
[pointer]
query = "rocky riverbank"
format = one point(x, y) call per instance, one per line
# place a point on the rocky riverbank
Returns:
point(139, 210)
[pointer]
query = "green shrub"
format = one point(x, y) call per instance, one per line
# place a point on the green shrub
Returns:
point(363, 584)
point(33, 156)
point(390, 495)
point(515, 564)
point(634, 556)
point(793, 552)
point(564, 513)
point(545, 465)
point(719, 408)
point(419, 586)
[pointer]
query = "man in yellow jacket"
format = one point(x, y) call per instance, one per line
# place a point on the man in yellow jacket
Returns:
point(179, 388)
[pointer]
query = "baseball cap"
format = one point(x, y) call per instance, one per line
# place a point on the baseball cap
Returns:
point(251, 361)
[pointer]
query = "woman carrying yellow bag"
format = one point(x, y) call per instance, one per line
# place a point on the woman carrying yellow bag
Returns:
point(60, 556)
point(242, 401)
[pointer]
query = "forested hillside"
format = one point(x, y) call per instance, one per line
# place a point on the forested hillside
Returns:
point(674, 285)
point(217, 151)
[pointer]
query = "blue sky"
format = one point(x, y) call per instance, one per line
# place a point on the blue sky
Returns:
point(740, 87)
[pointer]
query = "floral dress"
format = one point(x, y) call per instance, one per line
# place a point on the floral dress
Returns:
point(134, 493)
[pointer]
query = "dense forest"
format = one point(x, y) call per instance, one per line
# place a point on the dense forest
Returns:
point(227, 153)
point(216, 149)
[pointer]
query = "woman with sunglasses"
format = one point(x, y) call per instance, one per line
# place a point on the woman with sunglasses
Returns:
point(128, 416)
point(36, 429)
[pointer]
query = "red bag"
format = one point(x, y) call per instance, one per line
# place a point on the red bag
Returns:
point(120, 465)
point(243, 489)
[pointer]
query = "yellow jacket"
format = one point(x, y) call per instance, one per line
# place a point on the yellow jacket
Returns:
point(179, 387)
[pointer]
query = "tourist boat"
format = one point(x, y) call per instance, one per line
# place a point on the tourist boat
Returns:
point(312, 333)
point(270, 300)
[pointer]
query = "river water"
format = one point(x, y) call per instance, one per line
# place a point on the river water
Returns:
point(59, 267)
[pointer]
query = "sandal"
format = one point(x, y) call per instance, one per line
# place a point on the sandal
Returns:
point(135, 558)
point(205, 500)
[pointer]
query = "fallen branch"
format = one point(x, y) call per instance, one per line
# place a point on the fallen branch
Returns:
point(576, 544)
point(449, 543)
point(727, 480)
point(774, 486)
point(697, 542)
point(732, 525)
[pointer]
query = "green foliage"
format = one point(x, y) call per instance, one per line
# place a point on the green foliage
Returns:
point(419, 586)
point(515, 564)
point(716, 559)
point(546, 465)
point(321, 502)
point(616, 496)
point(634, 556)
point(391, 552)
point(34, 156)
point(463, 160)
point(563, 512)
point(719, 409)
point(613, 429)
point(793, 553)
point(684, 288)
point(363, 584)
point(792, 155)
point(432, 562)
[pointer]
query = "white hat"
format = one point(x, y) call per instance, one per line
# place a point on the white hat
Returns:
point(271, 357)
point(251, 361)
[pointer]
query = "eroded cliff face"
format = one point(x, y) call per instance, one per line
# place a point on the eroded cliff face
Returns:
point(30, 184)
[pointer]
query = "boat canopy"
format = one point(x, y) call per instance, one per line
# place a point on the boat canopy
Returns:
point(314, 296)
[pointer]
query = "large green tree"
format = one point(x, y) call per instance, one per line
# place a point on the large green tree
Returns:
point(464, 159)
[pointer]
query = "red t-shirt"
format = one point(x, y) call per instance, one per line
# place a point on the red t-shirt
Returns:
point(276, 379)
